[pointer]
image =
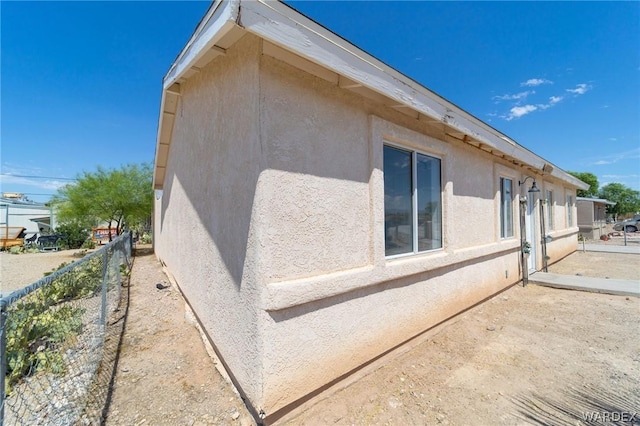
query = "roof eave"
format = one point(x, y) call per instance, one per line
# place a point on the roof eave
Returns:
point(220, 19)
point(287, 29)
point(283, 26)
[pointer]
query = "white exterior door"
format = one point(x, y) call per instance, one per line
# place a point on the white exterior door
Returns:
point(530, 225)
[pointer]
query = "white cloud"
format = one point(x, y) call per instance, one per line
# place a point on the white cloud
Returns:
point(26, 175)
point(616, 157)
point(519, 111)
point(514, 97)
point(536, 82)
point(620, 176)
point(552, 101)
point(517, 99)
point(580, 89)
point(50, 184)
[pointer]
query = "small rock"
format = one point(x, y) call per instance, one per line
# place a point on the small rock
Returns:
point(491, 328)
point(235, 415)
point(394, 403)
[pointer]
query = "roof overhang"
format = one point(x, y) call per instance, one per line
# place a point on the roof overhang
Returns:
point(217, 31)
point(596, 200)
point(292, 37)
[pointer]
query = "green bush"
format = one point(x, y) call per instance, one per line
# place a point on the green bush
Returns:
point(73, 234)
point(89, 244)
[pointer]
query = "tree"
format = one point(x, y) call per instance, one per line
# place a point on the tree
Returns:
point(123, 196)
point(627, 200)
point(590, 179)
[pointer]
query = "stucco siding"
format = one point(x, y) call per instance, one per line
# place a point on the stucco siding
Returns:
point(205, 231)
point(316, 144)
point(330, 337)
point(325, 229)
point(471, 213)
point(563, 244)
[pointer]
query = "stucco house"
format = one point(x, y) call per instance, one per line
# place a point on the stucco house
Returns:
point(317, 208)
point(592, 216)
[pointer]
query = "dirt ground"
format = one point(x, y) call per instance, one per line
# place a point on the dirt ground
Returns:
point(164, 374)
point(20, 270)
point(532, 355)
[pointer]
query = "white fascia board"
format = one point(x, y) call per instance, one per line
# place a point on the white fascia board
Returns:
point(561, 174)
point(220, 19)
point(281, 25)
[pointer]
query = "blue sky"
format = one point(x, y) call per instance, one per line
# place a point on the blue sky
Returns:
point(81, 81)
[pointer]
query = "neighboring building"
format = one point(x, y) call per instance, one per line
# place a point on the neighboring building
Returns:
point(18, 211)
point(284, 170)
point(592, 216)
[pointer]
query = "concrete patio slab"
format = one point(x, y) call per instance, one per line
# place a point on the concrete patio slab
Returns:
point(612, 248)
point(596, 285)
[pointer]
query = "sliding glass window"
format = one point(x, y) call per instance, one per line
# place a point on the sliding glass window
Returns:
point(412, 202)
point(506, 208)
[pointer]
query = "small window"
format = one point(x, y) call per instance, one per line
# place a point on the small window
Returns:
point(506, 208)
point(569, 211)
point(549, 210)
point(412, 202)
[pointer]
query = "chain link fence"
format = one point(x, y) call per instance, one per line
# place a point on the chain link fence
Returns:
point(52, 338)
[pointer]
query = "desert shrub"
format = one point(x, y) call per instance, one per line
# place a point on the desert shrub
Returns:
point(89, 244)
point(23, 249)
point(73, 234)
point(83, 281)
point(36, 330)
point(39, 326)
point(146, 238)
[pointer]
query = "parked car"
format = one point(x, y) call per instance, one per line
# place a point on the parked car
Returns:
point(629, 225)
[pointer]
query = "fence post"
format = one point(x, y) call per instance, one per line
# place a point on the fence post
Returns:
point(103, 310)
point(3, 362)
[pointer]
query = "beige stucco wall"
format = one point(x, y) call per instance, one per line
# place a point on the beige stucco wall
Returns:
point(205, 231)
point(272, 223)
point(325, 159)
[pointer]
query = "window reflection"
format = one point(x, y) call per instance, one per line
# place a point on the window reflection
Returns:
point(413, 210)
point(398, 217)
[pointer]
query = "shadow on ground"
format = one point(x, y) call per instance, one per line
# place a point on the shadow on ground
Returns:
point(102, 387)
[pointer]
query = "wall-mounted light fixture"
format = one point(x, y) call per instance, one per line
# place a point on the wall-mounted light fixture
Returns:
point(533, 188)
